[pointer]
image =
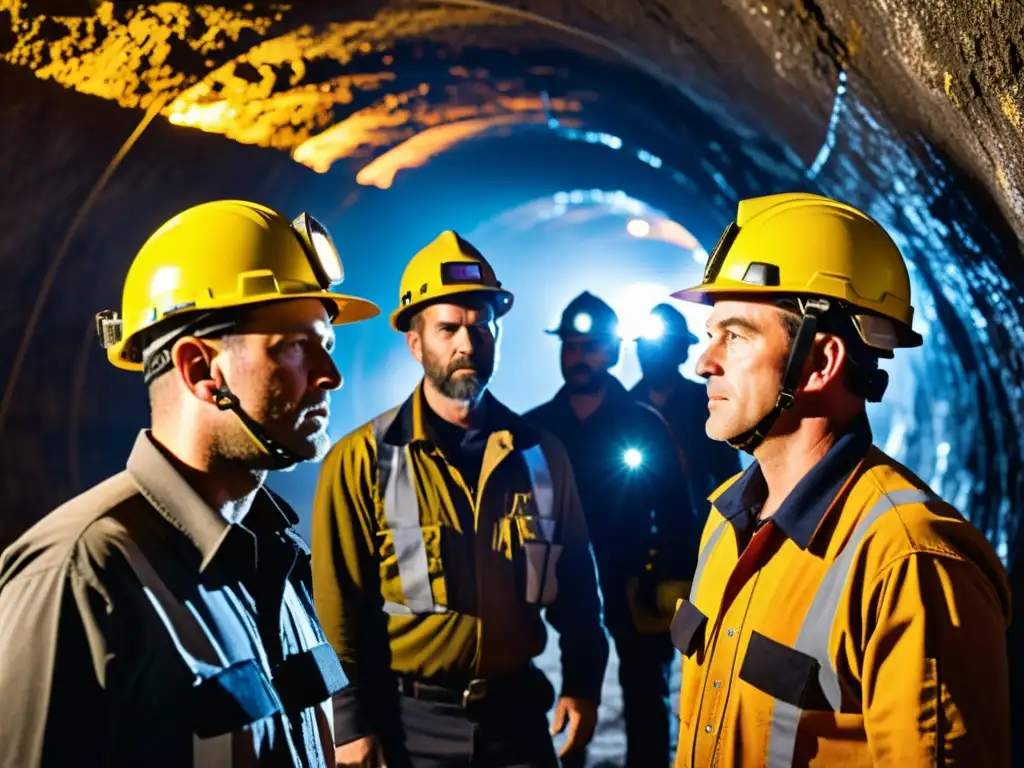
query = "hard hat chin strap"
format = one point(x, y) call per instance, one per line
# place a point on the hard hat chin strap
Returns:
point(282, 457)
point(813, 309)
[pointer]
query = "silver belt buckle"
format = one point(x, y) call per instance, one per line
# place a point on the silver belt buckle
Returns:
point(475, 691)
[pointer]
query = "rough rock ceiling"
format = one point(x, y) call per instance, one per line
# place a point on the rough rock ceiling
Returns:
point(911, 110)
point(279, 74)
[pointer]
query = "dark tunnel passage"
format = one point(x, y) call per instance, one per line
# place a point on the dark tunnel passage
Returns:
point(540, 130)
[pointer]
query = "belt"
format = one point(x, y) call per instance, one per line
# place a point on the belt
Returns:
point(474, 692)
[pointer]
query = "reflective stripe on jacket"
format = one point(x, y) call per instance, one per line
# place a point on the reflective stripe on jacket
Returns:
point(882, 643)
point(396, 486)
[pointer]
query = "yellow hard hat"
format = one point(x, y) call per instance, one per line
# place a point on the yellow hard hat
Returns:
point(223, 254)
point(803, 244)
point(448, 266)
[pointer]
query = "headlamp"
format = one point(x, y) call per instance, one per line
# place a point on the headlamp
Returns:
point(461, 272)
point(632, 458)
point(714, 265)
point(323, 256)
point(583, 322)
point(654, 328)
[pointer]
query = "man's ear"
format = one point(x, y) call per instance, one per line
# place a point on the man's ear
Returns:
point(193, 364)
point(825, 363)
point(415, 343)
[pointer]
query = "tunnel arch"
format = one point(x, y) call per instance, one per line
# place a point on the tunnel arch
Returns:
point(811, 109)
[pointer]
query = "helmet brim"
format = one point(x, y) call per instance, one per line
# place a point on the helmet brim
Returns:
point(708, 294)
point(501, 299)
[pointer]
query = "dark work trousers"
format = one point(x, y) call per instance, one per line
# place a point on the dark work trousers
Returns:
point(509, 733)
point(645, 668)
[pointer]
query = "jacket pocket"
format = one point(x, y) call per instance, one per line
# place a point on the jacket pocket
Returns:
point(688, 627)
point(231, 698)
point(784, 673)
point(541, 560)
point(528, 540)
point(687, 630)
point(308, 678)
point(514, 530)
point(411, 569)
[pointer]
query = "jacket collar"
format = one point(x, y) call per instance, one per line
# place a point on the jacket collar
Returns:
point(801, 513)
point(170, 494)
point(411, 424)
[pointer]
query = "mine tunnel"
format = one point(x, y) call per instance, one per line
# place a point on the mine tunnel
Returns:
point(594, 145)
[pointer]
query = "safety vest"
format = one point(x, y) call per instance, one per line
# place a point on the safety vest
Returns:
point(396, 487)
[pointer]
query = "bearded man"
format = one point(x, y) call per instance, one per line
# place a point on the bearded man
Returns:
point(441, 530)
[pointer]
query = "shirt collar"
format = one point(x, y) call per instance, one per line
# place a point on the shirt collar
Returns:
point(163, 486)
point(807, 504)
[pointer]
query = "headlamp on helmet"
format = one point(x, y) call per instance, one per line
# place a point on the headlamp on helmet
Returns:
point(461, 272)
point(654, 328)
point(583, 322)
point(319, 247)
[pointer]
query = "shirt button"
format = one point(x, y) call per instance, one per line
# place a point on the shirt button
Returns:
point(717, 684)
point(707, 729)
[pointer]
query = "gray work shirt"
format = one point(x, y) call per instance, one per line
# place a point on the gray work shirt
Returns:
point(137, 627)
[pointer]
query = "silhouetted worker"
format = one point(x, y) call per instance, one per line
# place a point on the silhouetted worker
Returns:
point(638, 511)
point(163, 617)
point(443, 531)
point(663, 347)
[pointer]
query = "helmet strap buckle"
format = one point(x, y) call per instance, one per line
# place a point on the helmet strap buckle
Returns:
point(815, 306)
point(785, 400)
point(226, 400)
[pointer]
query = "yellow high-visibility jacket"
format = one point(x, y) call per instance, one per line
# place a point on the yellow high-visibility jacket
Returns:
point(863, 625)
point(414, 574)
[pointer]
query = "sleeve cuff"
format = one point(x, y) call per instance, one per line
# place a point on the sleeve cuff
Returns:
point(586, 692)
point(350, 720)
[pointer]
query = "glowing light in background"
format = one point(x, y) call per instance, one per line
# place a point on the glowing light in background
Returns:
point(632, 458)
point(653, 328)
point(632, 274)
point(633, 304)
point(638, 227)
